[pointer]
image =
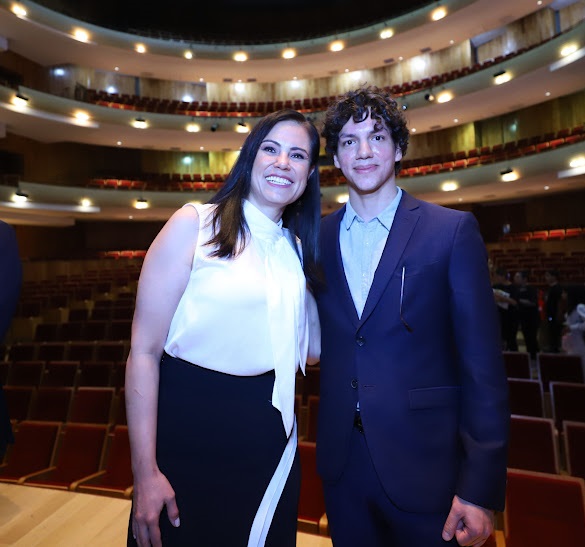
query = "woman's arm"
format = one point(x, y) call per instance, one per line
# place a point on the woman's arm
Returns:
point(163, 279)
point(314, 330)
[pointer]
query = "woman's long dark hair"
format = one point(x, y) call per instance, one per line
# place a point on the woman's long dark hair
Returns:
point(302, 217)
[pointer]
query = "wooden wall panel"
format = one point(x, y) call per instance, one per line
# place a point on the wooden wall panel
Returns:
point(33, 75)
point(572, 14)
point(525, 32)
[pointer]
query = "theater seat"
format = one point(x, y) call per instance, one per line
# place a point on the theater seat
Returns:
point(79, 452)
point(34, 444)
point(116, 477)
point(544, 510)
point(533, 444)
point(311, 515)
point(574, 439)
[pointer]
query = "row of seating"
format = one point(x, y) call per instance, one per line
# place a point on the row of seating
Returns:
point(90, 458)
point(61, 373)
point(543, 235)
point(176, 182)
point(260, 108)
point(92, 405)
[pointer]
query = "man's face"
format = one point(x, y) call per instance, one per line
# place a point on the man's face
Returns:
point(366, 155)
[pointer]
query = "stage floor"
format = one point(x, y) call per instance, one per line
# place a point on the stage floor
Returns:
point(31, 516)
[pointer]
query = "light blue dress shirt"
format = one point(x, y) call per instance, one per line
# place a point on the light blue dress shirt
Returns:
point(362, 244)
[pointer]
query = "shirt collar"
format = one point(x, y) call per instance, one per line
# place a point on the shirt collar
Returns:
point(385, 217)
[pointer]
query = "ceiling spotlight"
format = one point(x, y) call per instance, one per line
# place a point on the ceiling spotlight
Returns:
point(386, 33)
point(342, 198)
point(214, 127)
point(19, 10)
point(578, 161)
point(568, 49)
point(240, 56)
point(337, 45)
point(188, 54)
point(193, 127)
point(444, 97)
point(429, 97)
point(289, 53)
point(81, 35)
point(508, 175)
point(449, 186)
point(81, 116)
point(85, 202)
point(20, 196)
point(438, 14)
point(20, 100)
point(141, 203)
point(140, 48)
point(140, 123)
point(242, 128)
point(502, 77)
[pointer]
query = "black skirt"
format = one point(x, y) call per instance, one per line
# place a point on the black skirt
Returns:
point(219, 441)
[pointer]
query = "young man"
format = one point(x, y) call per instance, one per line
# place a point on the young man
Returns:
point(413, 415)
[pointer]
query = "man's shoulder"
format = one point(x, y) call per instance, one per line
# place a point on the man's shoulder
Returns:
point(437, 212)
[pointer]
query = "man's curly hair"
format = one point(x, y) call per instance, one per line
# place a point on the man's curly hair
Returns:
point(358, 104)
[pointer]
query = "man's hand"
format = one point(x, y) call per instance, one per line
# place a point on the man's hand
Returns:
point(470, 524)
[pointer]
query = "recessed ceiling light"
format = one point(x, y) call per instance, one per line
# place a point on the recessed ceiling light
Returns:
point(82, 116)
point(455, 120)
point(502, 77)
point(20, 101)
point(342, 198)
point(240, 56)
point(19, 196)
point(547, 188)
point(141, 203)
point(289, 53)
point(188, 54)
point(81, 35)
point(438, 13)
point(547, 94)
point(241, 127)
point(568, 49)
point(19, 10)
point(140, 48)
point(413, 129)
point(193, 127)
point(337, 45)
point(444, 97)
point(85, 202)
point(119, 143)
point(386, 33)
point(140, 123)
point(578, 161)
point(509, 175)
point(449, 186)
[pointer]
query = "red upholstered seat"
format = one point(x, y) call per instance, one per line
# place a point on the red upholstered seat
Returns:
point(116, 477)
point(544, 510)
point(92, 405)
point(311, 515)
point(560, 368)
point(32, 450)
point(517, 364)
point(574, 438)
point(52, 404)
point(79, 452)
point(525, 397)
point(568, 402)
point(533, 444)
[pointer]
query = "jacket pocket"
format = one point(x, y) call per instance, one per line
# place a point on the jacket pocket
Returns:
point(433, 397)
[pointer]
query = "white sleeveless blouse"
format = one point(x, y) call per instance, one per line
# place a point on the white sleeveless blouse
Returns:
point(245, 315)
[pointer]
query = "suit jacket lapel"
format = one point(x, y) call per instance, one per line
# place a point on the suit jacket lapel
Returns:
point(403, 225)
point(331, 251)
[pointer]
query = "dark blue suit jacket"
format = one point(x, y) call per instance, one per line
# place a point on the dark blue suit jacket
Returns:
point(10, 282)
point(433, 401)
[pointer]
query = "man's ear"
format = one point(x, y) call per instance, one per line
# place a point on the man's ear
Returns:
point(398, 154)
point(335, 162)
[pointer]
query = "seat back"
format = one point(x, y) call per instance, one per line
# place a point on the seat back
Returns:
point(543, 510)
point(517, 364)
point(533, 444)
point(34, 444)
point(557, 367)
point(568, 402)
point(525, 397)
point(574, 439)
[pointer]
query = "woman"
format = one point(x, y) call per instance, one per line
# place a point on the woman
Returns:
point(222, 323)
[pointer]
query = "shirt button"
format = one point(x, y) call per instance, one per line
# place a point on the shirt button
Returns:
point(354, 383)
point(360, 340)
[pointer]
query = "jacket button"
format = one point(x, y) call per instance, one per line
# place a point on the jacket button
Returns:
point(354, 383)
point(360, 340)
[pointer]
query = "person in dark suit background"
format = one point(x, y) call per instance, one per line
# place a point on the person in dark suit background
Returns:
point(10, 282)
point(413, 413)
